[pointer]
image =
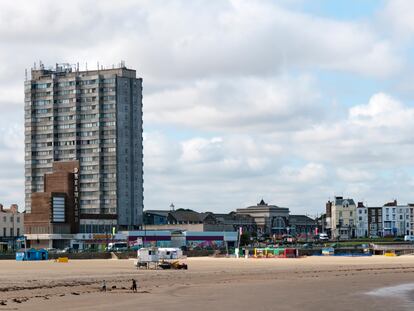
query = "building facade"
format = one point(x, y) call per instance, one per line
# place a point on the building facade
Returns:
point(375, 222)
point(194, 221)
point(269, 219)
point(343, 218)
point(11, 227)
point(397, 219)
point(55, 211)
point(94, 117)
point(361, 221)
point(302, 226)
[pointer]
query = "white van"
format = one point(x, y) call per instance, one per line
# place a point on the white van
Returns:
point(409, 238)
point(117, 246)
point(323, 237)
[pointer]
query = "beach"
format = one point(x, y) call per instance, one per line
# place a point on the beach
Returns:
point(310, 283)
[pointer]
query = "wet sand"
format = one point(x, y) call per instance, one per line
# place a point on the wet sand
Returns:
point(312, 283)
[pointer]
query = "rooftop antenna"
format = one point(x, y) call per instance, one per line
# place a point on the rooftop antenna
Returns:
point(97, 63)
point(77, 67)
point(34, 66)
point(172, 207)
point(86, 66)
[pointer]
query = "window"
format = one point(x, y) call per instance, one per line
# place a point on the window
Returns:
point(350, 214)
point(4, 232)
point(41, 85)
point(11, 232)
point(18, 220)
point(18, 232)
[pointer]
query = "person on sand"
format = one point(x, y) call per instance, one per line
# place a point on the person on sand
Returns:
point(134, 286)
point(104, 286)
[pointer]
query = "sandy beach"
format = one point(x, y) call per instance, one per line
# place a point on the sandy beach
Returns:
point(312, 283)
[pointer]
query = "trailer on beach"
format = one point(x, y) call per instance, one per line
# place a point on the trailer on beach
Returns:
point(165, 258)
point(147, 258)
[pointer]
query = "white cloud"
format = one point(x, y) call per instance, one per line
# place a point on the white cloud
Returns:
point(247, 104)
point(354, 175)
point(240, 78)
point(310, 173)
point(397, 17)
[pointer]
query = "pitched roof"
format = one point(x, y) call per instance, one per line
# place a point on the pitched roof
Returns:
point(394, 203)
point(300, 219)
point(186, 216)
point(340, 200)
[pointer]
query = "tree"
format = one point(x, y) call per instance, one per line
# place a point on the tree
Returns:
point(244, 239)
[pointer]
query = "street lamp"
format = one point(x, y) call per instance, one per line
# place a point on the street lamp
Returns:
point(14, 240)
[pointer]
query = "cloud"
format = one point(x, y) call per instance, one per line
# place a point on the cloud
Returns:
point(376, 134)
point(311, 172)
point(240, 80)
point(397, 16)
point(247, 104)
point(354, 175)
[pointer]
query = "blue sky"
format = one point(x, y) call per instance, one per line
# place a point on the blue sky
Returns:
point(343, 9)
point(290, 101)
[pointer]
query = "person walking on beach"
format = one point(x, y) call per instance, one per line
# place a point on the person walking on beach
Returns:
point(134, 286)
point(104, 286)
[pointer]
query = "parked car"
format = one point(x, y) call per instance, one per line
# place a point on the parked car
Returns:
point(409, 238)
point(65, 250)
point(307, 246)
point(321, 237)
point(117, 247)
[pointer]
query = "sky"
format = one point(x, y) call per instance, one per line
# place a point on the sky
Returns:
point(291, 101)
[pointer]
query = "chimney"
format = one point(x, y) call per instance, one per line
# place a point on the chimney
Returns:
point(328, 209)
point(14, 208)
